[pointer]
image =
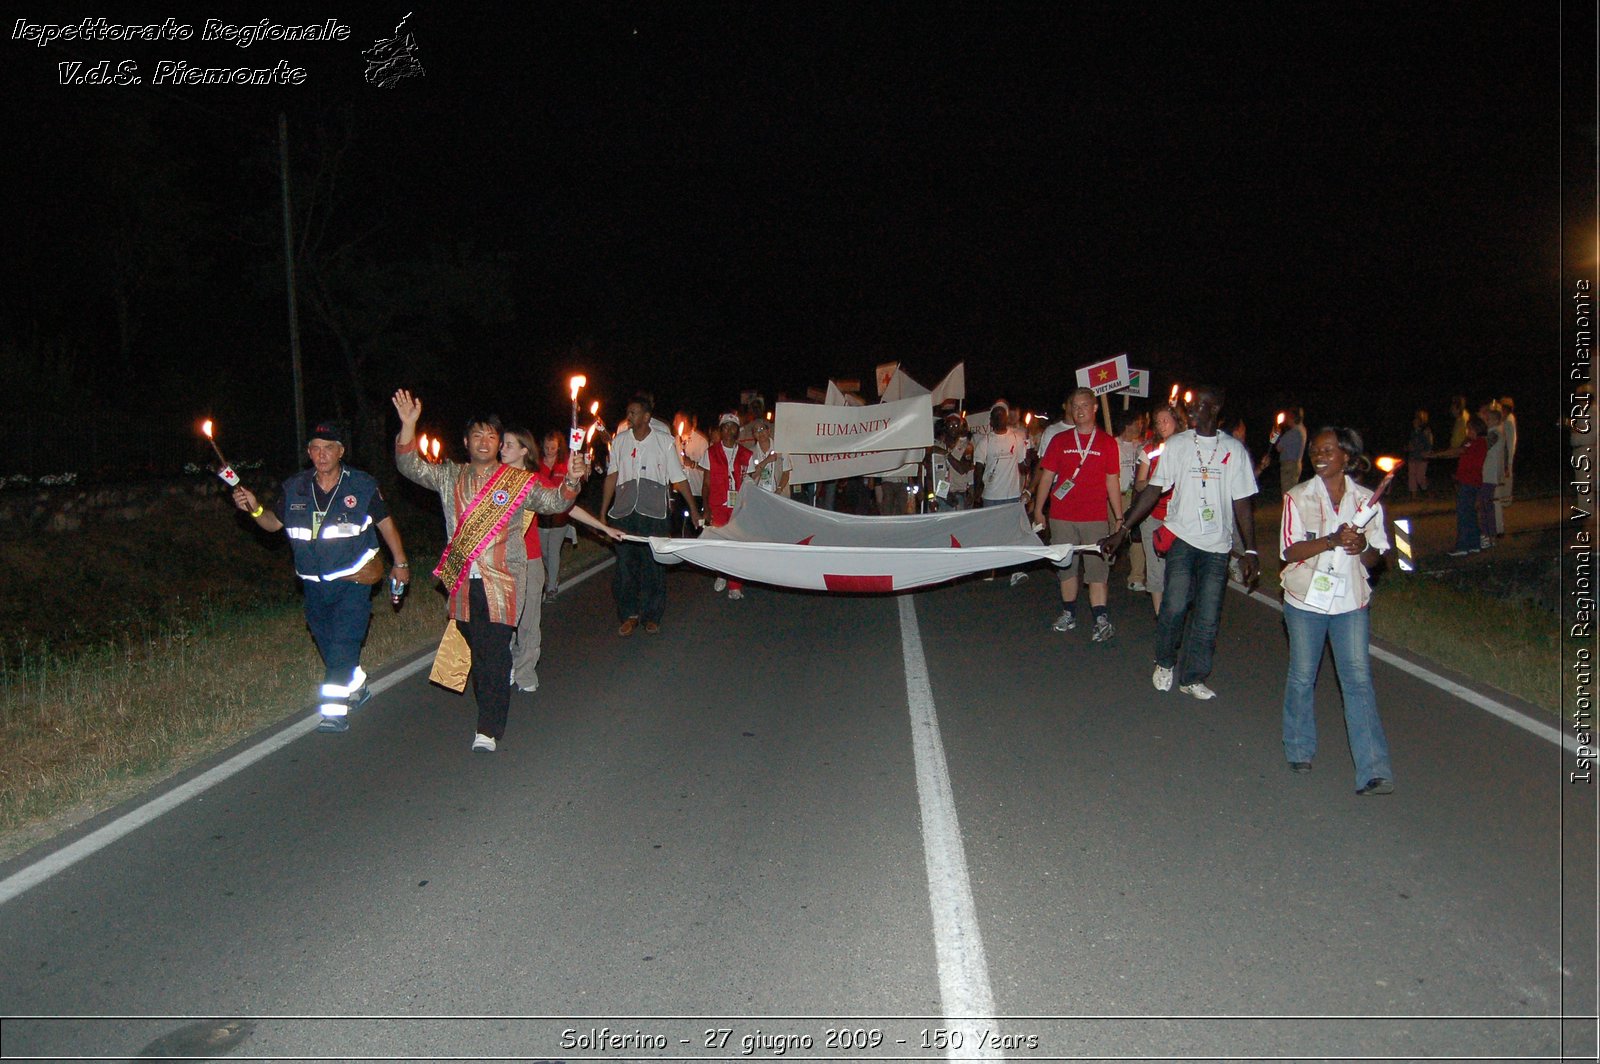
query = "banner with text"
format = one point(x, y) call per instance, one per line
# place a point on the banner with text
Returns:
point(833, 442)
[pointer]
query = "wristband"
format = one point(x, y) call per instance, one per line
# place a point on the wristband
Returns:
point(1252, 552)
point(402, 565)
point(258, 511)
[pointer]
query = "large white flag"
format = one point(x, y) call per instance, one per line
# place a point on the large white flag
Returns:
point(773, 540)
point(900, 386)
point(954, 386)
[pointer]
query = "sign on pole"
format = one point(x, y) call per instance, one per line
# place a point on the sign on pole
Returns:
point(1107, 376)
point(1138, 383)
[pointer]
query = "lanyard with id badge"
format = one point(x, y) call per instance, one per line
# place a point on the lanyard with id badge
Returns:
point(1064, 485)
point(1327, 587)
point(1210, 516)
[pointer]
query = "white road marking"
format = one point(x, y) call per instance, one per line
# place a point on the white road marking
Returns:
point(963, 972)
point(61, 860)
point(1466, 694)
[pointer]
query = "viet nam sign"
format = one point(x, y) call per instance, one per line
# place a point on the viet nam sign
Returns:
point(1108, 376)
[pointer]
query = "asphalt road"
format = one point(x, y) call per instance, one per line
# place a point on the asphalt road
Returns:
point(729, 838)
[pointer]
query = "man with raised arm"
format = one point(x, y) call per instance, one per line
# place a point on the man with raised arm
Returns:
point(484, 561)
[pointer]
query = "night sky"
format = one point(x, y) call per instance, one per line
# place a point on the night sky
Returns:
point(1356, 206)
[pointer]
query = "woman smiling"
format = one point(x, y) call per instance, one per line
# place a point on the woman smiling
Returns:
point(1328, 542)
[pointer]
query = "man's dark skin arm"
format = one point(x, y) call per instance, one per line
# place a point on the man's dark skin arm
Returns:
point(1145, 501)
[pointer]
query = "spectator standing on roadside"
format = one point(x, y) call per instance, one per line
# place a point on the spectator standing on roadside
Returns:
point(333, 516)
point(1417, 449)
point(1459, 416)
point(1290, 449)
point(1079, 483)
point(1469, 479)
point(484, 566)
point(1325, 595)
point(1212, 484)
point(1494, 467)
point(1503, 488)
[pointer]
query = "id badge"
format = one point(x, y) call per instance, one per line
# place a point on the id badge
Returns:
point(1209, 522)
point(316, 524)
point(941, 489)
point(1062, 487)
point(733, 497)
point(1325, 588)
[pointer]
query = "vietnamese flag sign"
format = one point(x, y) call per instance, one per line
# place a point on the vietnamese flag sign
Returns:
point(1107, 376)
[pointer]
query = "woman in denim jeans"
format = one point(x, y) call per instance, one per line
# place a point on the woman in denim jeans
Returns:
point(1328, 542)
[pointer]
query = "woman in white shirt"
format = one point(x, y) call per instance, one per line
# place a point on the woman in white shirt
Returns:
point(1327, 543)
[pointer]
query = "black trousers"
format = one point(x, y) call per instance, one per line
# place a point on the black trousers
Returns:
point(491, 662)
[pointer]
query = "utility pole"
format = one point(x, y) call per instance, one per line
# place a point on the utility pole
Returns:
point(294, 311)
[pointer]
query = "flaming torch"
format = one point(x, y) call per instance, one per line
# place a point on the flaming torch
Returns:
point(229, 477)
point(575, 436)
point(1367, 510)
point(1277, 429)
point(434, 443)
point(422, 445)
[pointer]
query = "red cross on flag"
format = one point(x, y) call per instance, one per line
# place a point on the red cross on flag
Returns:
point(1108, 376)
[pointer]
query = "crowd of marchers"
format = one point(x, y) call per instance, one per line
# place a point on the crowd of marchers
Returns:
point(1171, 489)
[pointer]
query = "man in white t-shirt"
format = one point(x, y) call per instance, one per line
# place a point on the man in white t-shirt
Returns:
point(1212, 486)
point(998, 456)
point(645, 469)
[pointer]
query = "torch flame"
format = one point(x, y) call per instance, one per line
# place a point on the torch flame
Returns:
point(1173, 395)
point(422, 444)
point(206, 428)
point(681, 427)
point(590, 436)
point(594, 408)
point(1279, 421)
point(1188, 397)
point(1387, 464)
point(435, 444)
point(578, 381)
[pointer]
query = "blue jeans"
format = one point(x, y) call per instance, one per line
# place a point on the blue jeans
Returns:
point(1348, 632)
point(1468, 537)
point(1199, 578)
point(639, 583)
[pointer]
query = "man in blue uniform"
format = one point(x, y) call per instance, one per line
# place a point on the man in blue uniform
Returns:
point(334, 515)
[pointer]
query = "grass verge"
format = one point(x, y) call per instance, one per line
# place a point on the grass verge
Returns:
point(1515, 647)
point(88, 729)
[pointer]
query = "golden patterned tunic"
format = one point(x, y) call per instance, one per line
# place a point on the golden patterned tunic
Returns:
point(505, 557)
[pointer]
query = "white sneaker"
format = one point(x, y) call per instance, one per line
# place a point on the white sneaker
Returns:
point(1485, 542)
point(736, 594)
point(1017, 578)
point(1103, 630)
point(1134, 585)
point(483, 742)
point(1162, 679)
point(719, 585)
point(1066, 622)
point(1198, 690)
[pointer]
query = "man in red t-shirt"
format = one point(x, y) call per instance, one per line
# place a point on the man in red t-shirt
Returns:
point(1078, 484)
